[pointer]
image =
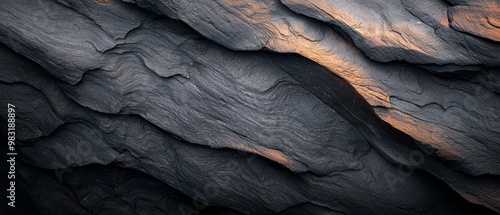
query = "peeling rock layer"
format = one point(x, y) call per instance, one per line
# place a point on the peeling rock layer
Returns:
point(254, 107)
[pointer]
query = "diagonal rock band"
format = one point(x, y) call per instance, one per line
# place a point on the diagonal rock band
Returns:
point(252, 107)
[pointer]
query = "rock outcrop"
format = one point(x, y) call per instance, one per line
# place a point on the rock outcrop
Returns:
point(254, 107)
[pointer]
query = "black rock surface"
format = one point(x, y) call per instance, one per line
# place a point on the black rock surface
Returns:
point(253, 107)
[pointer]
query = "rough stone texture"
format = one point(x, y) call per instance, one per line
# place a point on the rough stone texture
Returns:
point(195, 107)
point(413, 31)
point(431, 110)
point(101, 190)
point(480, 18)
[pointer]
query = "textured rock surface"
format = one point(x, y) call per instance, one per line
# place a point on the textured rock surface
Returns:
point(254, 107)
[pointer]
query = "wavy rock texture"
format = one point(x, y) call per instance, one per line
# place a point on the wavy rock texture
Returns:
point(254, 107)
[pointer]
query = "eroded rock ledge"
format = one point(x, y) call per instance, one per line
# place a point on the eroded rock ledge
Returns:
point(255, 107)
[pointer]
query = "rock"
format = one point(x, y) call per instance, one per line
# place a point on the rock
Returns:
point(97, 189)
point(404, 30)
point(479, 18)
point(448, 118)
point(253, 107)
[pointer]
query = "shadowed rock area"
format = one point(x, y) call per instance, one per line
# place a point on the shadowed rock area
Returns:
point(253, 107)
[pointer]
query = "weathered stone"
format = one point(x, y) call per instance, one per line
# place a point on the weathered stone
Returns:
point(194, 107)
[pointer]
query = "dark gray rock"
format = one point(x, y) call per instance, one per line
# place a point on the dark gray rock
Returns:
point(480, 18)
point(446, 114)
point(183, 107)
point(225, 98)
point(98, 189)
point(417, 32)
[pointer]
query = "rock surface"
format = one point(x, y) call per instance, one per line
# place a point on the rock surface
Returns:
point(254, 107)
